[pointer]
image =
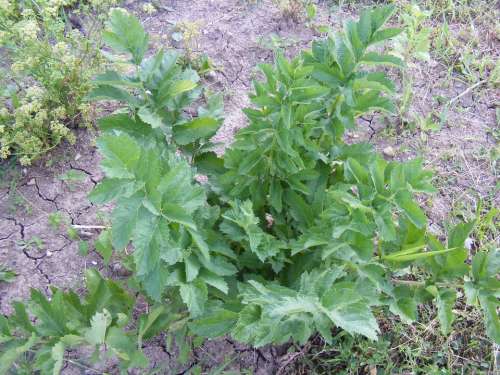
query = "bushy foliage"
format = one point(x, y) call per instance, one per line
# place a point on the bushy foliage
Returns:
point(67, 322)
point(294, 232)
point(158, 90)
point(49, 65)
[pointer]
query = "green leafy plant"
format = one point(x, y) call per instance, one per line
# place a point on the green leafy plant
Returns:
point(292, 232)
point(48, 66)
point(6, 274)
point(66, 323)
point(158, 90)
point(295, 232)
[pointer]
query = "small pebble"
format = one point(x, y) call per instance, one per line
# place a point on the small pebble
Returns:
point(211, 76)
point(31, 182)
point(48, 253)
point(468, 243)
point(389, 151)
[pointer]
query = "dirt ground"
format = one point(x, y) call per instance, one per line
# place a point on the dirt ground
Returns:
point(233, 34)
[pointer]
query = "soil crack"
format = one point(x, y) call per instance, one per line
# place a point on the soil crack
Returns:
point(17, 224)
point(91, 177)
point(42, 196)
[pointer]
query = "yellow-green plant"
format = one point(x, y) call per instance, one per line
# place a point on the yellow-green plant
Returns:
point(50, 61)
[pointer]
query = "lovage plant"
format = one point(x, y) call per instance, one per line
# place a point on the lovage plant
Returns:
point(158, 90)
point(294, 232)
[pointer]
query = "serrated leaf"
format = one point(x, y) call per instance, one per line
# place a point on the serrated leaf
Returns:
point(99, 323)
point(380, 15)
point(107, 92)
point(113, 78)
point(353, 169)
point(385, 225)
point(192, 268)
point(122, 123)
point(109, 189)
point(104, 246)
point(218, 323)
point(147, 251)
point(200, 243)
point(155, 281)
point(382, 35)
point(57, 354)
point(121, 154)
point(201, 127)
point(194, 295)
point(375, 81)
point(405, 255)
point(149, 116)
point(209, 163)
point(126, 34)
point(377, 170)
point(123, 219)
point(406, 308)
point(124, 347)
point(153, 322)
point(374, 58)
point(276, 195)
point(445, 301)
point(21, 317)
point(348, 310)
point(215, 280)
point(182, 86)
point(489, 305)
point(52, 318)
point(412, 211)
point(343, 56)
point(102, 294)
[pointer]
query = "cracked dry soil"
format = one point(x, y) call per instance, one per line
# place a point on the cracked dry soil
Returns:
point(40, 254)
point(231, 35)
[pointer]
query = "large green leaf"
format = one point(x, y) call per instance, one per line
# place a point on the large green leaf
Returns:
point(108, 92)
point(377, 59)
point(126, 34)
point(201, 127)
point(275, 313)
point(98, 326)
point(214, 324)
point(195, 296)
point(348, 310)
point(124, 218)
point(121, 154)
point(490, 306)
point(445, 299)
point(149, 116)
point(412, 211)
